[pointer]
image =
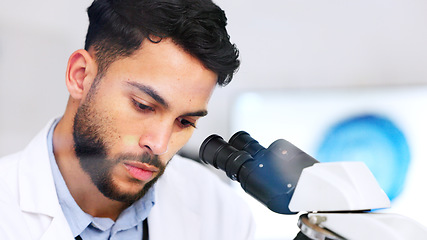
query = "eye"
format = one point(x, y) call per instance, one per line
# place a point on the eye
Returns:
point(142, 107)
point(184, 123)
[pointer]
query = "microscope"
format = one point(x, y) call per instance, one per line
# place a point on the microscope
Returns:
point(336, 201)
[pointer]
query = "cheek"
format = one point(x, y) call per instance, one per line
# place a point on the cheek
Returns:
point(178, 140)
point(129, 142)
point(124, 132)
point(182, 137)
point(111, 135)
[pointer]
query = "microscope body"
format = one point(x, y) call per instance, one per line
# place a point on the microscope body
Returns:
point(337, 197)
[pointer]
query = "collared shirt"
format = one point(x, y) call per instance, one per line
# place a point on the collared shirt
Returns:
point(128, 224)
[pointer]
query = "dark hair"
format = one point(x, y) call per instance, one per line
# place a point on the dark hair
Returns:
point(118, 27)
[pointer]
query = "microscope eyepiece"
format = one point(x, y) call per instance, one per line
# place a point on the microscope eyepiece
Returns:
point(243, 141)
point(218, 153)
point(269, 175)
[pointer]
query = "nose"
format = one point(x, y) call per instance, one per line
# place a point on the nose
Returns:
point(156, 138)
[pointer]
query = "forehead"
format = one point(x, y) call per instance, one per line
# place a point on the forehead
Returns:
point(165, 67)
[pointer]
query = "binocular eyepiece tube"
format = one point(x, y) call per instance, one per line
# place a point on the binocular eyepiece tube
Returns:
point(222, 155)
point(269, 175)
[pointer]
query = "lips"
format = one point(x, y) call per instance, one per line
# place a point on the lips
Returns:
point(140, 171)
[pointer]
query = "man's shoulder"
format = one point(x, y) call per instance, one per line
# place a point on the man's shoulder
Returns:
point(186, 165)
point(10, 159)
point(9, 182)
point(189, 190)
point(13, 166)
point(9, 165)
point(191, 173)
point(198, 188)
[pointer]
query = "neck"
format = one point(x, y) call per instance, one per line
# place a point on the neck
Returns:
point(79, 183)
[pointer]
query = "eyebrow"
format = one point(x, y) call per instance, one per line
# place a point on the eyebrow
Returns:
point(153, 93)
point(196, 114)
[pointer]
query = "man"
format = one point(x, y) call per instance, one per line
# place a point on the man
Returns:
point(136, 92)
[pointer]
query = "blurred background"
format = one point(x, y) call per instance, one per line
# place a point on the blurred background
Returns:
point(342, 80)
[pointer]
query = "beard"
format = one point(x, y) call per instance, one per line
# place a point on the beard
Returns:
point(91, 130)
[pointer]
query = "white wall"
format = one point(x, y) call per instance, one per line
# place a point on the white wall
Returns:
point(288, 44)
point(285, 44)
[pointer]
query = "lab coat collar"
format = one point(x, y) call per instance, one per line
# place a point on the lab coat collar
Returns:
point(36, 184)
point(38, 196)
point(37, 190)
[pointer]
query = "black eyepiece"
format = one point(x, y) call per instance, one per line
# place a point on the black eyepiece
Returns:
point(243, 141)
point(269, 175)
point(217, 152)
point(209, 149)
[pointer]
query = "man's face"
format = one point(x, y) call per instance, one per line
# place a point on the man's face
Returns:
point(142, 111)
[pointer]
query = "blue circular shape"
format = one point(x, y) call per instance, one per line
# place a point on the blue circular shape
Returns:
point(374, 140)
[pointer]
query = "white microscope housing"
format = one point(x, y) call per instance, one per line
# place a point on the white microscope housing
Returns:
point(335, 200)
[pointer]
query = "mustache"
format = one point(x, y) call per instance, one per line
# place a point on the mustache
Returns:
point(142, 158)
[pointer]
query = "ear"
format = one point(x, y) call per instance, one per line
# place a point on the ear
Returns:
point(81, 71)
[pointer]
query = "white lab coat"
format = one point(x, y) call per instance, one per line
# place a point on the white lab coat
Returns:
point(191, 202)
